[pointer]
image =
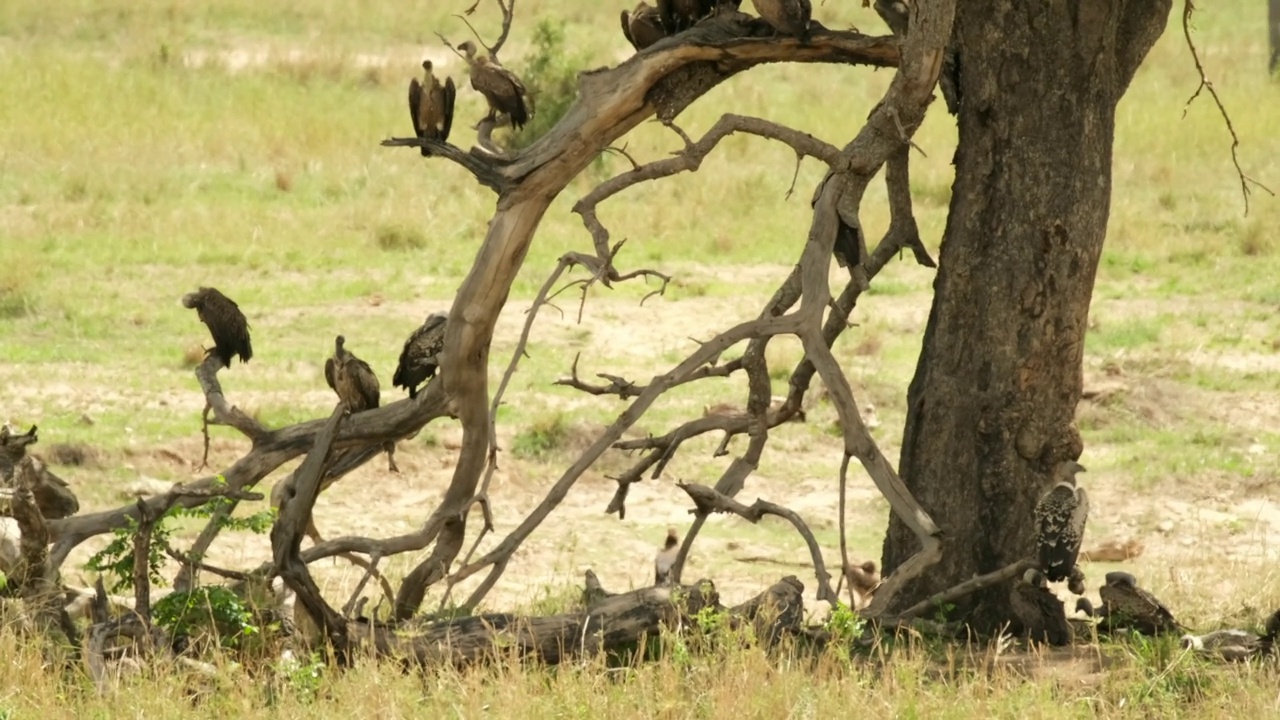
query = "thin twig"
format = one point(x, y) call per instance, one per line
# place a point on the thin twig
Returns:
point(1188, 7)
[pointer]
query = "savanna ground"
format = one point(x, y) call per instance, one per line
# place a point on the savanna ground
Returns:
point(151, 147)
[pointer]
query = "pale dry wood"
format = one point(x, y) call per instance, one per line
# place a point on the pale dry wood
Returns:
point(708, 500)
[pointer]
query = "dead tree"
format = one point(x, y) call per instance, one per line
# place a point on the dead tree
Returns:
point(661, 81)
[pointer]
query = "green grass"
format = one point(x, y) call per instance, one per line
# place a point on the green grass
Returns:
point(151, 147)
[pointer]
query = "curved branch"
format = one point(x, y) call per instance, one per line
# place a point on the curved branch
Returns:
point(224, 413)
point(708, 501)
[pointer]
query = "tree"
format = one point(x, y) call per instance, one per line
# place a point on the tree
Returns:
point(990, 408)
point(991, 405)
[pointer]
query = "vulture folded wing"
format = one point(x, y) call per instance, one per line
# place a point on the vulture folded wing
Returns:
point(450, 92)
point(329, 377)
point(415, 105)
point(626, 29)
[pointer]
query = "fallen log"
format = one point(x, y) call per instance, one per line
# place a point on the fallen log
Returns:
point(608, 623)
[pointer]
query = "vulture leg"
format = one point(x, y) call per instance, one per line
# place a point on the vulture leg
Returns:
point(390, 447)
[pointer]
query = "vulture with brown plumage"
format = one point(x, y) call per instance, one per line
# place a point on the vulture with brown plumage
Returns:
point(501, 88)
point(356, 385)
point(431, 106)
point(1039, 611)
point(418, 358)
point(788, 17)
point(643, 26)
point(1127, 605)
point(678, 15)
point(1060, 516)
point(666, 558)
point(226, 323)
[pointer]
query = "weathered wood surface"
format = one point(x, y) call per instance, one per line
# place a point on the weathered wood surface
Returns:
point(608, 622)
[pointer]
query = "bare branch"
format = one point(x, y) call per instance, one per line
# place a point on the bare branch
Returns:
point(1188, 7)
point(484, 167)
point(142, 562)
point(286, 537)
point(690, 159)
point(972, 585)
point(708, 501)
point(223, 412)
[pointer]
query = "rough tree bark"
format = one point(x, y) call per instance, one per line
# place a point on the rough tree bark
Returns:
point(991, 405)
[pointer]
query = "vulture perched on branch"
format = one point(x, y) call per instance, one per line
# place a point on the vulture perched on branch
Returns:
point(1040, 611)
point(788, 17)
point(356, 385)
point(1128, 606)
point(501, 88)
point(431, 106)
point(418, 358)
point(1060, 518)
point(13, 448)
point(643, 26)
point(226, 323)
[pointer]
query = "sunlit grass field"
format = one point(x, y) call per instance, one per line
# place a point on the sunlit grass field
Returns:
point(149, 147)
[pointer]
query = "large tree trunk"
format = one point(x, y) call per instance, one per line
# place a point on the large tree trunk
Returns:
point(991, 404)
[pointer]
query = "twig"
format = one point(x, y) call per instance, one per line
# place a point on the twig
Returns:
point(188, 561)
point(1188, 7)
point(844, 541)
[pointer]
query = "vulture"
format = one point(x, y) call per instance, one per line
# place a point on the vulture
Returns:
point(1126, 605)
point(863, 580)
point(680, 15)
point(1039, 610)
point(643, 26)
point(1234, 645)
point(356, 385)
point(501, 88)
point(226, 323)
point(431, 106)
point(418, 358)
point(895, 14)
point(13, 448)
point(666, 558)
point(788, 17)
point(1060, 517)
point(52, 494)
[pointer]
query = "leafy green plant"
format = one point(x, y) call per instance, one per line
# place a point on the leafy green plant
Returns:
point(551, 78)
point(211, 611)
point(116, 559)
point(541, 437)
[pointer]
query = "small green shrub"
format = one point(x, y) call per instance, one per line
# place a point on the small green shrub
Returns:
point(551, 78)
point(543, 436)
